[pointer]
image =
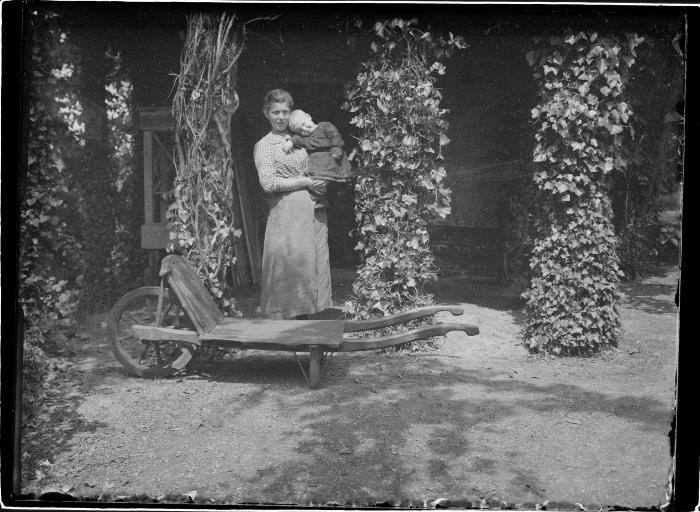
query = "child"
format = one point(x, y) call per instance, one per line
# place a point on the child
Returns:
point(323, 143)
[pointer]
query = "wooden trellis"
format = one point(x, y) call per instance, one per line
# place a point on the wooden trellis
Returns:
point(157, 128)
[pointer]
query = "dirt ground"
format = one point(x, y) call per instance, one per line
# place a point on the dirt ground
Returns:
point(475, 418)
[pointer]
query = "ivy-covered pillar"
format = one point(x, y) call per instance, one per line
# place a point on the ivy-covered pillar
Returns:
point(400, 187)
point(201, 217)
point(581, 124)
point(50, 266)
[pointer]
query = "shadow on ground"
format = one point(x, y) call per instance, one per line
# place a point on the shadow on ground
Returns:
point(358, 437)
point(651, 298)
point(49, 432)
point(458, 291)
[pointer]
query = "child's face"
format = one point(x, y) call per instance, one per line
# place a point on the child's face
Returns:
point(307, 127)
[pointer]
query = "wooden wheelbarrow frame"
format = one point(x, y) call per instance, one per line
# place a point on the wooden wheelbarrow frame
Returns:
point(180, 285)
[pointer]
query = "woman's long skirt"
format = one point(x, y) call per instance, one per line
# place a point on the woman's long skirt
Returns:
point(296, 274)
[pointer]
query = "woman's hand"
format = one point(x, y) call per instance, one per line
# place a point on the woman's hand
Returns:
point(317, 186)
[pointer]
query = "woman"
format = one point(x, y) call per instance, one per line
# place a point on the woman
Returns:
point(295, 269)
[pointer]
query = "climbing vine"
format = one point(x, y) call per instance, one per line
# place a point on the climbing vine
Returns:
point(126, 260)
point(201, 218)
point(400, 187)
point(582, 123)
point(654, 167)
point(50, 254)
point(518, 215)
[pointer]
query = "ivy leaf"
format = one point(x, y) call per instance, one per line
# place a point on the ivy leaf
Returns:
point(615, 129)
point(602, 66)
point(379, 28)
point(409, 199)
point(437, 66)
point(561, 187)
point(530, 56)
point(444, 211)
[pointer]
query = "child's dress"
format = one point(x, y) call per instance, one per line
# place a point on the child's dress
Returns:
point(327, 159)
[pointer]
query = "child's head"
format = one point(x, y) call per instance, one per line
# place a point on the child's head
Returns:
point(300, 122)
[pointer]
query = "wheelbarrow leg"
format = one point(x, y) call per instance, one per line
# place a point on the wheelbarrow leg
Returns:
point(315, 357)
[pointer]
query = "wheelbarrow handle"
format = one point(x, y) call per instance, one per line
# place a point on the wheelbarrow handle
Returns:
point(420, 333)
point(378, 323)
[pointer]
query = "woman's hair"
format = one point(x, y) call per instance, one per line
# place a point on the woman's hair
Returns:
point(277, 96)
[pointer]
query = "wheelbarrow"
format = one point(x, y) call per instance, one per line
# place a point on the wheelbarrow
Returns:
point(155, 330)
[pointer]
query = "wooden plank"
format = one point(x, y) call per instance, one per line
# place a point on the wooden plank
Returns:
point(152, 333)
point(242, 271)
point(377, 323)
point(187, 301)
point(191, 292)
point(154, 236)
point(194, 295)
point(241, 166)
point(160, 119)
point(280, 333)
point(163, 148)
point(397, 339)
point(260, 345)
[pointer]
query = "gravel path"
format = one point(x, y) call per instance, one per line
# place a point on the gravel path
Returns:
point(475, 419)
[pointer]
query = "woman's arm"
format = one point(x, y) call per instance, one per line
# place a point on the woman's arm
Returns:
point(324, 139)
point(296, 183)
point(262, 155)
point(270, 182)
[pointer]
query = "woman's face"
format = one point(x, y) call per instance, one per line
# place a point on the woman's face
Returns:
point(278, 115)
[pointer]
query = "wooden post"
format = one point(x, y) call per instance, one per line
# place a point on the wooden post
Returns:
point(17, 418)
point(148, 176)
point(315, 356)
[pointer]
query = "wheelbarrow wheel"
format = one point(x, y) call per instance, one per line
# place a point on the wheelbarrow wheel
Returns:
point(144, 358)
